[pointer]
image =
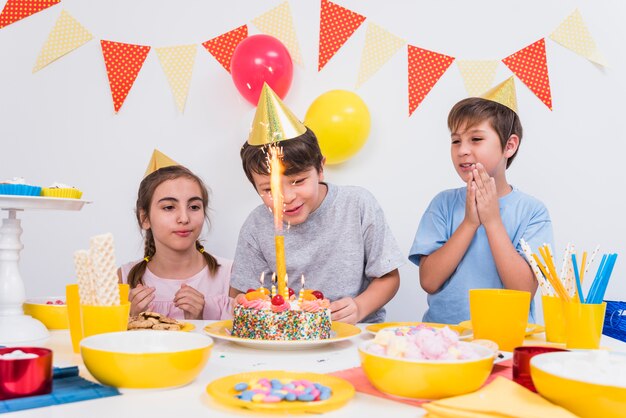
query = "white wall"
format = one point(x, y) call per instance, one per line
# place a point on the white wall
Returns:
point(58, 124)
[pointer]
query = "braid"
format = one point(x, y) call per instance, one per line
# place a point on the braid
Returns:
point(210, 260)
point(135, 276)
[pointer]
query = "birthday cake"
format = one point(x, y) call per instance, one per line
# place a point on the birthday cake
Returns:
point(260, 316)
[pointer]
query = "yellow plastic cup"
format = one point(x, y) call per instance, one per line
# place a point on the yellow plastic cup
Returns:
point(72, 299)
point(500, 315)
point(554, 318)
point(103, 319)
point(583, 324)
point(75, 314)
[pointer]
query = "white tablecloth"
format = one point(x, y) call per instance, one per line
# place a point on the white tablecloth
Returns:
point(227, 358)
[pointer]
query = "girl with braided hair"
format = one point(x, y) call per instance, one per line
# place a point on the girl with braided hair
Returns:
point(176, 277)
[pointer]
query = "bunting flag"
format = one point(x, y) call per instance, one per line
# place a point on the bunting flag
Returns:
point(573, 34)
point(380, 46)
point(337, 24)
point(123, 63)
point(177, 63)
point(530, 65)
point(425, 69)
point(477, 76)
point(15, 10)
point(223, 46)
point(66, 35)
point(278, 23)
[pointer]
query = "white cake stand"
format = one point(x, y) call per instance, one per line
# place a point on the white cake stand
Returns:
point(15, 327)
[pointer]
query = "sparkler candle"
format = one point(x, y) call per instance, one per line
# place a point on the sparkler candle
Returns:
point(276, 171)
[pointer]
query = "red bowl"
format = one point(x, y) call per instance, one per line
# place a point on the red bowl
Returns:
point(25, 377)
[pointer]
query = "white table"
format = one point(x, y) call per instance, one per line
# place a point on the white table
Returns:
point(226, 359)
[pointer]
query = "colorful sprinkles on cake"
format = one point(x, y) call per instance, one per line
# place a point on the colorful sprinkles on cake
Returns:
point(268, 390)
point(288, 325)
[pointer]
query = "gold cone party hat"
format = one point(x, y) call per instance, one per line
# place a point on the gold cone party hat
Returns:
point(158, 160)
point(503, 93)
point(273, 121)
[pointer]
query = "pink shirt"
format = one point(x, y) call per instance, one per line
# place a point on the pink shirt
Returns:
point(217, 303)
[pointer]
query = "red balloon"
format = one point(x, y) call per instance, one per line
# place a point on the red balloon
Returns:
point(261, 59)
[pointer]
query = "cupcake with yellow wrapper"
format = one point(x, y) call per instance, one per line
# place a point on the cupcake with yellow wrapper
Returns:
point(61, 190)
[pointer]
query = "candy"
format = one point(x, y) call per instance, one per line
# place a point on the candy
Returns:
point(239, 387)
point(278, 300)
point(266, 390)
point(318, 294)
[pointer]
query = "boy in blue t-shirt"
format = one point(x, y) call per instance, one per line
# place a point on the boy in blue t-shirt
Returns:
point(470, 237)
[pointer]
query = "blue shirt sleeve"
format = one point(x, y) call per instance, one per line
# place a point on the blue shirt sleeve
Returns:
point(432, 231)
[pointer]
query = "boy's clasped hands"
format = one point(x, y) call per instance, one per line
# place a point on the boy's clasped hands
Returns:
point(481, 206)
point(187, 299)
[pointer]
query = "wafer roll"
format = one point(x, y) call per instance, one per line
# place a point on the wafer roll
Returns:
point(102, 255)
point(82, 265)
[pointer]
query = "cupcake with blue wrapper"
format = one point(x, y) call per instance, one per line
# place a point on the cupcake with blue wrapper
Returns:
point(17, 186)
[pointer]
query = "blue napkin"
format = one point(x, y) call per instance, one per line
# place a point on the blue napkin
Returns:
point(67, 386)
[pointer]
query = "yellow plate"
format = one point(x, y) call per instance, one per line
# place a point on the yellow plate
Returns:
point(530, 328)
point(187, 326)
point(339, 332)
point(223, 391)
point(462, 331)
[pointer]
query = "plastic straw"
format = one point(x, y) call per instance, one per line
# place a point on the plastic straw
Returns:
point(577, 277)
point(543, 283)
point(604, 279)
point(582, 267)
point(593, 256)
point(596, 281)
point(555, 282)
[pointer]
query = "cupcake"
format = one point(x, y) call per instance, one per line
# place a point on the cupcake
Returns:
point(17, 186)
point(61, 190)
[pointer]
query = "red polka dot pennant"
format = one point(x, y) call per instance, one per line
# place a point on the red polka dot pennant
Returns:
point(425, 69)
point(15, 10)
point(123, 63)
point(531, 66)
point(223, 46)
point(337, 24)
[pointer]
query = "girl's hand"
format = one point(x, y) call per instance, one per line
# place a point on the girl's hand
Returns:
point(140, 299)
point(471, 211)
point(486, 196)
point(190, 301)
point(344, 310)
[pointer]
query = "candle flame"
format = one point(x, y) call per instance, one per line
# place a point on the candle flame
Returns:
point(276, 170)
point(262, 279)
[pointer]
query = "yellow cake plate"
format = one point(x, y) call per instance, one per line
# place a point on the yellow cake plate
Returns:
point(463, 332)
point(223, 391)
point(339, 332)
point(531, 329)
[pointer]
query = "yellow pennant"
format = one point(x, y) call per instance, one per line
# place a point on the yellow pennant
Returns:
point(477, 76)
point(66, 35)
point(380, 46)
point(573, 34)
point(177, 63)
point(278, 23)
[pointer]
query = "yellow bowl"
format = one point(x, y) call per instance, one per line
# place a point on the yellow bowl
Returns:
point(558, 377)
point(430, 379)
point(52, 316)
point(146, 359)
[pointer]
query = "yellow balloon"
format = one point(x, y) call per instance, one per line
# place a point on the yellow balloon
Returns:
point(341, 122)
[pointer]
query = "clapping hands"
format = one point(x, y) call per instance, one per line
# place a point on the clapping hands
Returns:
point(481, 206)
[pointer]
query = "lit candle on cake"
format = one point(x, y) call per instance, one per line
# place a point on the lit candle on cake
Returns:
point(301, 294)
point(286, 291)
point(276, 171)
